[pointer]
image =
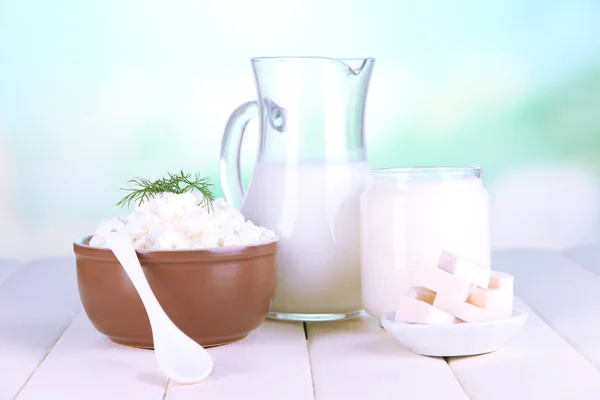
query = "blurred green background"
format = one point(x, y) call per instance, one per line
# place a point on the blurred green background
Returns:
point(94, 93)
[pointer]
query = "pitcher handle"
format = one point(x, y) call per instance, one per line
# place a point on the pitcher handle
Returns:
point(231, 178)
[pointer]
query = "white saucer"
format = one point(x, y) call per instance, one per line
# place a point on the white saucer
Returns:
point(463, 339)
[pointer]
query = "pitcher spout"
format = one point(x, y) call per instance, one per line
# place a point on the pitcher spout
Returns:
point(354, 66)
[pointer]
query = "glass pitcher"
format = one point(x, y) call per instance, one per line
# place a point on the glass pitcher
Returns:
point(310, 171)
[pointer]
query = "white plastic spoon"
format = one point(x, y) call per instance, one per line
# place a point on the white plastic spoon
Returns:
point(178, 356)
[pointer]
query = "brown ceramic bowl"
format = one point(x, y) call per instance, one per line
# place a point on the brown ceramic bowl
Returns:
point(215, 296)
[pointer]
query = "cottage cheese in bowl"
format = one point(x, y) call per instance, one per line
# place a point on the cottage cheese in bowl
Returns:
point(171, 221)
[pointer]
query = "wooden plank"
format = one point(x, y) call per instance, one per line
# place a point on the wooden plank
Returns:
point(85, 364)
point(7, 267)
point(562, 293)
point(37, 303)
point(271, 363)
point(356, 359)
point(536, 364)
point(586, 256)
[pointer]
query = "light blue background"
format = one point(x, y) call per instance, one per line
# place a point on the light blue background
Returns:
point(94, 93)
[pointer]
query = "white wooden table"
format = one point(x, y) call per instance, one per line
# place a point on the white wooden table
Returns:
point(49, 349)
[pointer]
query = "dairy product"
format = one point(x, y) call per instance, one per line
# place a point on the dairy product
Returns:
point(171, 221)
point(416, 311)
point(499, 295)
point(421, 293)
point(499, 301)
point(465, 269)
point(442, 282)
point(314, 210)
point(456, 295)
point(464, 311)
point(408, 217)
point(501, 280)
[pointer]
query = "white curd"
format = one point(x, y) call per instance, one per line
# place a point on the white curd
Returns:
point(171, 221)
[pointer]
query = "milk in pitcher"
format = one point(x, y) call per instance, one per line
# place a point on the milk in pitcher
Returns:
point(314, 210)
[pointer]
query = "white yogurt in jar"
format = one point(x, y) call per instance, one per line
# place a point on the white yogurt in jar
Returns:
point(408, 217)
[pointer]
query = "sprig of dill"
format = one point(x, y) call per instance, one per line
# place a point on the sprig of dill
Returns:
point(174, 183)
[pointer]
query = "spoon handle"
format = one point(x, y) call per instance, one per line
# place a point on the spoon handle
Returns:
point(120, 244)
point(178, 356)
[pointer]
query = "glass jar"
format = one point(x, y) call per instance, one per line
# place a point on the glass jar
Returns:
point(408, 217)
